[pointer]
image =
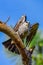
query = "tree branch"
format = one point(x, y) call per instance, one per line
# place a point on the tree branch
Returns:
point(15, 37)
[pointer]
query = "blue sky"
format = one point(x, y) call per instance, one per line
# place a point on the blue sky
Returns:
point(33, 9)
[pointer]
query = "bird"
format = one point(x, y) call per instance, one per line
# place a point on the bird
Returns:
point(24, 29)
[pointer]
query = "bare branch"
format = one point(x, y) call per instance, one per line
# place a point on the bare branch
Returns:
point(18, 42)
point(7, 19)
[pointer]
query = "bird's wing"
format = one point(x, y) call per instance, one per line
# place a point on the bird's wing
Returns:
point(33, 31)
point(11, 47)
point(20, 22)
